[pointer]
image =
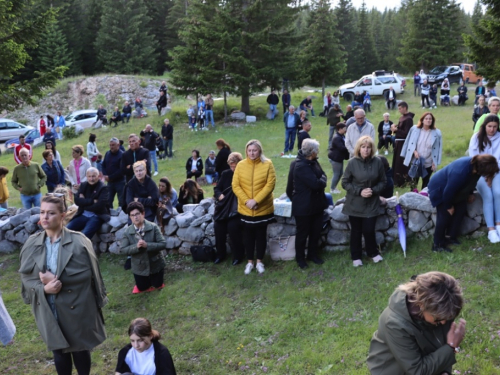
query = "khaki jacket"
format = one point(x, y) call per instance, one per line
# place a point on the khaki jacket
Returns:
point(4, 190)
point(80, 324)
point(145, 261)
point(254, 179)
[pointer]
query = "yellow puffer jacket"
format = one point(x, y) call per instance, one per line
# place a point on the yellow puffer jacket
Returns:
point(4, 191)
point(254, 179)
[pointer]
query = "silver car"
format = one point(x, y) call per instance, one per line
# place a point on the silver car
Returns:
point(85, 118)
point(10, 129)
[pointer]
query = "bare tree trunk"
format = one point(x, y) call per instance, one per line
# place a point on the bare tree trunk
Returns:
point(225, 106)
point(323, 89)
point(245, 103)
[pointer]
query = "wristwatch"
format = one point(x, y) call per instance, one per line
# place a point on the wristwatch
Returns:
point(455, 349)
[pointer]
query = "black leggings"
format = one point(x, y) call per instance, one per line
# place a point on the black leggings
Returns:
point(255, 240)
point(425, 98)
point(64, 362)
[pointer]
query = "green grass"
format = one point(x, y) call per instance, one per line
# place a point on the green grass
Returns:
point(215, 320)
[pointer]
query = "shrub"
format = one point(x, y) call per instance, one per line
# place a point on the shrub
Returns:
point(143, 84)
point(69, 132)
point(100, 99)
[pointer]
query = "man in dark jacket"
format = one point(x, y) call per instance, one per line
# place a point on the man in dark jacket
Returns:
point(117, 116)
point(210, 172)
point(390, 98)
point(304, 133)
point(400, 132)
point(291, 120)
point(101, 114)
point(126, 112)
point(273, 101)
point(150, 138)
point(92, 201)
point(133, 154)
point(462, 94)
point(306, 189)
point(333, 118)
point(167, 134)
point(286, 99)
point(49, 137)
point(161, 103)
point(113, 173)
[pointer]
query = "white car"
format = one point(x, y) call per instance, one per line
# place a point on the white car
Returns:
point(10, 129)
point(85, 118)
point(375, 84)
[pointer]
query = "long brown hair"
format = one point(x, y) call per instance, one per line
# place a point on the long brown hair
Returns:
point(192, 188)
point(222, 143)
point(142, 328)
point(421, 121)
point(482, 137)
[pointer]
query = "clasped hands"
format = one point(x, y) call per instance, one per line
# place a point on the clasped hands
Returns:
point(52, 285)
point(252, 204)
point(366, 193)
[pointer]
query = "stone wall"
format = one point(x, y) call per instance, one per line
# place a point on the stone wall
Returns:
point(195, 225)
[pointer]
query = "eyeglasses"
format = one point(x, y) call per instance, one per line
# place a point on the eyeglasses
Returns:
point(135, 215)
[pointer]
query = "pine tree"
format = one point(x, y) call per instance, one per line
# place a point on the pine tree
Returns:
point(484, 44)
point(433, 34)
point(477, 14)
point(93, 12)
point(124, 43)
point(322, 59)
point(53, 50)
point(366, 56)
point(348, 34)
point(158, 11)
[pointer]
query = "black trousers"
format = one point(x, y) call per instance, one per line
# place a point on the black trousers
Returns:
point(425, 98)
point(308, 226)
point(190, 174)
point(232, 227)
point(391, 104)
point(363, 226)
point(145, 282)
point(255, 240)
point(447, 224)
point(64, 362)
point(461, 99)
point(425, 181)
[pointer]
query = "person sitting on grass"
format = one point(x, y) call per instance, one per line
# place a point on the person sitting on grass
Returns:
point(210, 173)
point(144, 242)
point(194, 165)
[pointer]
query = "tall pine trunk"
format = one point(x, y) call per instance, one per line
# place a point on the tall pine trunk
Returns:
point(245, 102)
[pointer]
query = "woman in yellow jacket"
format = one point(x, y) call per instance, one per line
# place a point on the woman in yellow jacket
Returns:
point(253, 185)
point(4, 190)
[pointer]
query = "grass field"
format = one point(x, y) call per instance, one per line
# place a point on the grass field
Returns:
point(215, 320)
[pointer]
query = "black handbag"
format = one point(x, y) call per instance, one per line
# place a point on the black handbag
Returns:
point(203, 253)
point(227, 207)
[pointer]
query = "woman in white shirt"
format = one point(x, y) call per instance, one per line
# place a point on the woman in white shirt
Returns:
point(144, 355)
point(77, 169)
point(92, 151)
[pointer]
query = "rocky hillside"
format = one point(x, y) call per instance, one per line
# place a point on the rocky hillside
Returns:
point(81, 93)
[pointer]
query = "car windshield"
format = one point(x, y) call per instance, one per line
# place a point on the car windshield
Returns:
point(68, 117)
point(438, 69)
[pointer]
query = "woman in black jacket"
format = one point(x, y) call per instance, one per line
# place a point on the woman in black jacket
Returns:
point(194, 165)
point(226, 218)
point(337, 154)
point(385, 137)
point(141, 188)
point(189, 193)
point(221, 163)
point(308, 201)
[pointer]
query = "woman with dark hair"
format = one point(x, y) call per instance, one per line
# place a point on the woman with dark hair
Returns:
point(62, 282)
point(141, 188)
point(92, 151)
point(50, 146)
point(449, 191)
point(77, 169)
point(226, 218)
point(424, 142)
point(144, 242)
point(53, 169)
point(487, 141)
point(480, 110)
point(166, 203)
point(253, 184)
point(364, 180)
point(144, 355)
point(416, 332)
point(189, 193)
point(221, 164)
point(194, 165)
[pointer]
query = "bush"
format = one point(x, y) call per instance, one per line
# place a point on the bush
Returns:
point(69, 132)
point(143, 84)
point(100, 99)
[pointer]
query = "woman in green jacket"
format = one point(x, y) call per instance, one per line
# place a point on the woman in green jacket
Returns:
point(364, 180)
point(143, 241)
point(417, 333)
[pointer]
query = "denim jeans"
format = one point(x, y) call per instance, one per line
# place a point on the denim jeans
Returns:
point(338, 171)
point(273, 109)
point(212, 177)
point(302, 108)
point(290, 139)
point(209, 115)
point(152, 155)
point(116, 188)
point(87, 225)
point(167, 146)
point(29, 201)
point(4, 205)
point(125, 116)
point(192, 122)
point(491, 200)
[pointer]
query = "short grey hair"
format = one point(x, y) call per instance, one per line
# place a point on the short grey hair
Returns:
point(114, 140)
point(292, 107)
point(492, 99)
point(359, 111)
point(386, 114)
point(309, 146)
point(92, 170)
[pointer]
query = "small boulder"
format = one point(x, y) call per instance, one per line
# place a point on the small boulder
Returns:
point(7, 247)
point(107, 237)
point(338, 215)
point(414, 201)
point(189, 207)
point(114, 248)
point(251, 119)
point(416, 220)
point(22, 236)
point(468, 225)
point(238, 116)
point(120, 233)
point(30, 227)
point(35, 218)
point(337, 237)
point(190, 234)
point(475, 208)
point(185, 219)
point(20, 218)
point(382, 223)
point(206, 203)
point(35, 210)
point(199, 211)
point(173, 242)
point(210, 230)
point(171, 227)
point(200, 220)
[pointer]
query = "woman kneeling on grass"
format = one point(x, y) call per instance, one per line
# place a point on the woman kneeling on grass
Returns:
point(144, 355)
point(416, 332)
point(143, 241)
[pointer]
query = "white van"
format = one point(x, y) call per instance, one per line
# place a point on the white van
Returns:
point(375, 85)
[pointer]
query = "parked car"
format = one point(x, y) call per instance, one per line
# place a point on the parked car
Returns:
point(85, 118)
point(469, 73)
point(375, 84)
point(33, 138)
point(439, 73)
point(11, 128)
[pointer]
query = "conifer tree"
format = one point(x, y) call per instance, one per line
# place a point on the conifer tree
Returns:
point(348, 34)
point(158, 11)
point(53, 50)
point(366, 54)
point(93, 12)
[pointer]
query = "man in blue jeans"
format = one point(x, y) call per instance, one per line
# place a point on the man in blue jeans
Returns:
point(111, 170)
point(28, 178)
point(92, 202)
point(273, 102)
point(291, 120)
point(150, 138)
point(209, 110)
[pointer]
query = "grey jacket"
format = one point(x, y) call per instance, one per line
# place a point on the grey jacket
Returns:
point(145, 261)
point(410, 145)
point(353, 134)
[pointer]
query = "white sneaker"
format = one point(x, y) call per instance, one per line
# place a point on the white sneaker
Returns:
point(156, 173)
point(435, 107)
point(386, 152)
point(357, 263)
point(248, 268)
point(260, 267)
point(335, 191)
point(423, 107)
point(377, 259)
point(493, 236)
point(498, 229)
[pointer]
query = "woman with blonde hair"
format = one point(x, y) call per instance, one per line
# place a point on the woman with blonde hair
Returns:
point(416, 332)
point(364, 180)
point(77, 169)
point(141, 188)
point(253, 184)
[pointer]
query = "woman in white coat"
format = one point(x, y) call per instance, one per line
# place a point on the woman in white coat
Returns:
point(77, 169)
point(424, 142)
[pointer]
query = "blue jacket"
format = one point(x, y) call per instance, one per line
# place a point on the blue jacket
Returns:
point(297, 120)
point(447, 182)
point(111, 166)
point(55, 175)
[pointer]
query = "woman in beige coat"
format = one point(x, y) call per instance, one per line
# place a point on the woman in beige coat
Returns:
point(62, 282)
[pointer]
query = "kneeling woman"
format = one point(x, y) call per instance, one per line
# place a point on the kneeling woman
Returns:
point(144, 355)
point(143, 241)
